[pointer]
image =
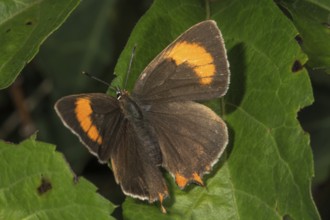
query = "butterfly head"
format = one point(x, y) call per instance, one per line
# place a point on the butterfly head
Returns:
point(120, 93)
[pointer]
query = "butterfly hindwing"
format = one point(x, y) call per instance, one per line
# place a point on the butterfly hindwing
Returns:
point(94, 118)
point(191, 138)
point(135, 167)
point(193, 67)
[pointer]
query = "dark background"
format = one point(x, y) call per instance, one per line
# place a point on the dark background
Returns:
point(91, 40)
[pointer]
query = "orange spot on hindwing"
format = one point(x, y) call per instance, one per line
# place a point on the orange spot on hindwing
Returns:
point(198, 179)
point(83, 112)
point(196, 57)
point(161, 197)
point(180, 180)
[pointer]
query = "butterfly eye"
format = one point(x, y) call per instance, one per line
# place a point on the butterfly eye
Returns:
point(118, 94)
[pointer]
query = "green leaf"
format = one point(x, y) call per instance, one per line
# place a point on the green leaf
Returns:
point(24, 25)
point(267, 170)
point(312, 19)
point(37, 183)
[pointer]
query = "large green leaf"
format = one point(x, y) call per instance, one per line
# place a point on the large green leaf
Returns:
point(37, 183)
point(267, 169)
point(24, 25)
point(312, 19)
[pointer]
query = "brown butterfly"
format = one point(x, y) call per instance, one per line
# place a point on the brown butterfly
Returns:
point(158, 124)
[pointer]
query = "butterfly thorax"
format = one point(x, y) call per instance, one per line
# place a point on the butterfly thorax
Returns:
point(129, 107)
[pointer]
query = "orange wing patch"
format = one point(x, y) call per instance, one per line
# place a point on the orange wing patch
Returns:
point(198, 179)
point(180, 180)
point(161, 197)
point(195, 56)
point(83, 111)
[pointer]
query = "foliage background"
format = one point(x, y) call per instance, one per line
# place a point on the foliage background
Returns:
point(91, 40)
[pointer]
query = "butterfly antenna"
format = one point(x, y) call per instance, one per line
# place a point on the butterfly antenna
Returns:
point(130, 65)
point(99, 80)
point(207, 6)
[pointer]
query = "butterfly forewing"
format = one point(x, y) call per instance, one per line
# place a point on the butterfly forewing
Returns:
point(94, 118)
point(193, 67)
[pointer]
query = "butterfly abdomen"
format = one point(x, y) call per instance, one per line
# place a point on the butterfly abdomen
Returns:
point(136, 116)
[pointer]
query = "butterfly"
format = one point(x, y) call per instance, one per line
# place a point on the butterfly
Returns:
point(159, 124)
